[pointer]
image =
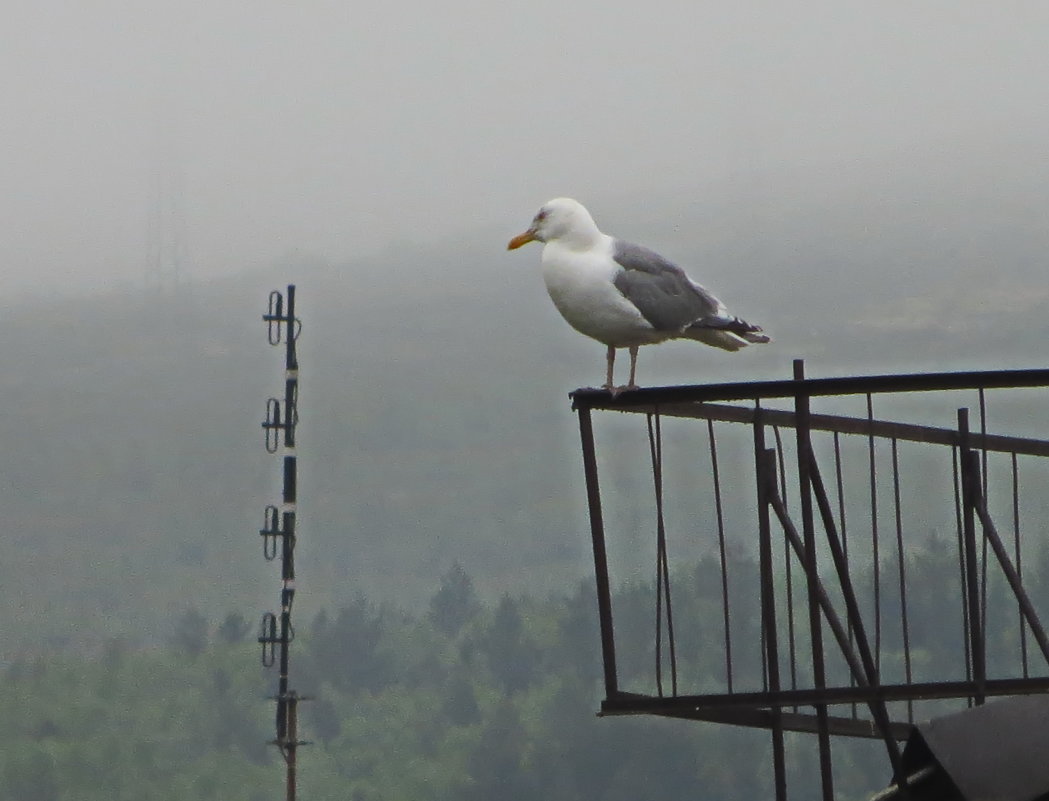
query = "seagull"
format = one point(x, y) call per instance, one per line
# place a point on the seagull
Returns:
point(624, 295)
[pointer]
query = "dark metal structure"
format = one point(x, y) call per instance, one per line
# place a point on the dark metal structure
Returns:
point(993, 751)
point(836, 652)
point(278, 531)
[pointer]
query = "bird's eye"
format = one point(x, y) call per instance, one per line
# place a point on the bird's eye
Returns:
point(540, 216)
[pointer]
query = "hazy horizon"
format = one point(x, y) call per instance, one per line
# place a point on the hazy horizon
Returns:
point(328, 132)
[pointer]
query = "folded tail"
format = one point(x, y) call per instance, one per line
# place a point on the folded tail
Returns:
point(729, 333)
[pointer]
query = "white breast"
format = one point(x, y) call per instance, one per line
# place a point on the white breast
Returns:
point(580, 285)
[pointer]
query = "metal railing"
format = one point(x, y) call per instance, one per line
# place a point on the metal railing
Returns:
point(842, 601)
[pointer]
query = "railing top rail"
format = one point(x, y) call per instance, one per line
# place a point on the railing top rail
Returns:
point(631, 400)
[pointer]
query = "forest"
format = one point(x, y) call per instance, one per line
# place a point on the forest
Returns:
point(463, 700)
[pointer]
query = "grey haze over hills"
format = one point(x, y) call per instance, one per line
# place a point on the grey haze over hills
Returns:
point(339, 130)
point(435, 417)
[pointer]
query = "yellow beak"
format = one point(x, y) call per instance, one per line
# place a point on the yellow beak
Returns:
point(521, 239)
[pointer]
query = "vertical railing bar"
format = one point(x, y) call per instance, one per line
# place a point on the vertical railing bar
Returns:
point(671, 641)
point(983, 438)
point(763, 459)
point(1019, 559)
point(983, 490)
point(876, 556)
point(902, 571)
point(656, 478)
point(840, 486)
point(597, 536)
point(841, 497)
point(976, 645)
point(722, 549)
point(804, 447)
point(959, 527)
point(788, 571)
point(781, 463)
point(655, 440)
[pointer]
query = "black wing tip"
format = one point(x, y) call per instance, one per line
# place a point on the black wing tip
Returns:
point(752, 334)
point(733, 325)
point(746, 327)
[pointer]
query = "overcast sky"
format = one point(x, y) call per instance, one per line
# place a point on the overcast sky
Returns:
point(335, 128)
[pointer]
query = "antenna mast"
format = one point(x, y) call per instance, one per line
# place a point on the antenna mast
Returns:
point(278, 531)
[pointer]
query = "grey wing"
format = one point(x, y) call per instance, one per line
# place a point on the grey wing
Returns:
point(664, 295)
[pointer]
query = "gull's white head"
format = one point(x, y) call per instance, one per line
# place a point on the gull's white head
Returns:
point(559, 219)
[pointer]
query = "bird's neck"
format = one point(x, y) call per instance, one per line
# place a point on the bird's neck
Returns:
point(581, 238)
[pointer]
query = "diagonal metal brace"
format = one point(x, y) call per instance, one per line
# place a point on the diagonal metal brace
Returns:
point(856, 666)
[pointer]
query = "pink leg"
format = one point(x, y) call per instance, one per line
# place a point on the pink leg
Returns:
point(611, 360)
point(633, 367)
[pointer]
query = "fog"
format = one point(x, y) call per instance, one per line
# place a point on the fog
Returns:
point(867, 181)
point(335, 129)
